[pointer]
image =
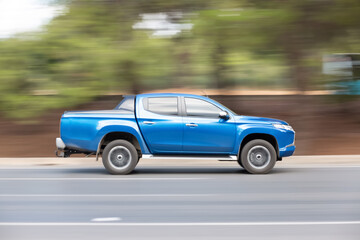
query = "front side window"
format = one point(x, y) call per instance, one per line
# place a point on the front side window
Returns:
point(200, 108)
point(162, 105)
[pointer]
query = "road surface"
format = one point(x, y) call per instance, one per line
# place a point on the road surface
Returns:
point(180, 202)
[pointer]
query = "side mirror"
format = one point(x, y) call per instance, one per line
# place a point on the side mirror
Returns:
point(224, 115)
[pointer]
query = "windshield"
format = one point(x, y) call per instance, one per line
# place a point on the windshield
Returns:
point(228, 109)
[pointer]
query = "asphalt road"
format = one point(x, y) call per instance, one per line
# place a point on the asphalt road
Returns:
point(217, 202)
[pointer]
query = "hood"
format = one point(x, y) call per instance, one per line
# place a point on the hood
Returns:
point(251, 119)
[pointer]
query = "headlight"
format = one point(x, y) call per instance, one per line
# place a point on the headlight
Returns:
point(282, 126)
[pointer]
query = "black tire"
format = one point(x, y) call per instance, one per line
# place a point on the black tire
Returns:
point(258, 157)
point(120, 157)
point(239, 162)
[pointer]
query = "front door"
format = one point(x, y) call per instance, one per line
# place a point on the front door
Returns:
point(204, 131)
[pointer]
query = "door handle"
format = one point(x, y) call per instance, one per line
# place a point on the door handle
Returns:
point(191, 125)
point(148, 122)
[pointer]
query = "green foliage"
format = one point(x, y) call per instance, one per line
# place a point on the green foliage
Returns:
point(93, 49)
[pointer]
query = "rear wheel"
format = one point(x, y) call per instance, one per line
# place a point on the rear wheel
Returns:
point(258, 157)
point(120, 157)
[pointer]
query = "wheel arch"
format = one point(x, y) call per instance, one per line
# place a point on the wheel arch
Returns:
point(118, 135)
point(264, 136)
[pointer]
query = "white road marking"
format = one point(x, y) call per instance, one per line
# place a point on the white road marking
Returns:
point(107, 195)
point(107, 219)
point(317, 166)
point(97, 179)
point(190, 224)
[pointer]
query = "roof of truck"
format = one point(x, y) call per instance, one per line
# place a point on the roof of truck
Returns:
point(170, 94)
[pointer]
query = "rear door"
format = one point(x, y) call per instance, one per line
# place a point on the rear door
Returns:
point(161, 124)
point(204, 131)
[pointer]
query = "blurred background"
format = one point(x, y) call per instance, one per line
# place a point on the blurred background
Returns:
point(294, 60)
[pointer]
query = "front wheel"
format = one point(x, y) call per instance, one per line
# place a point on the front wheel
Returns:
point(240, 163)
point(120, 157)
point(258, 157)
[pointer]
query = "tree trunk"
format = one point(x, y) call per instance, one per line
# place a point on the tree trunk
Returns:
point(294, 53)
point(219, 67)
point(131, 77)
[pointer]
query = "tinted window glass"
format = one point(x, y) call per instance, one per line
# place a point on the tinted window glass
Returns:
point(127, 104)
point(201, 108)
point(162, 105)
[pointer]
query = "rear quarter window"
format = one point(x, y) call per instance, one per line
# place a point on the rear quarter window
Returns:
point(127, 104)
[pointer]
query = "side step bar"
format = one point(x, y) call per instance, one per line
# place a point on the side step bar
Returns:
point(189, 157)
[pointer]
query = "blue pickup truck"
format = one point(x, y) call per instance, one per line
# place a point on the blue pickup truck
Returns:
point(174, 126)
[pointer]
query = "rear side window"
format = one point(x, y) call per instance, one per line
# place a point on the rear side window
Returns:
point(200, 108)
point(127, 104)
point(162, 105)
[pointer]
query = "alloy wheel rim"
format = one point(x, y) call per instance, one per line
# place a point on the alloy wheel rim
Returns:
point(259, 157)
point(119, 157)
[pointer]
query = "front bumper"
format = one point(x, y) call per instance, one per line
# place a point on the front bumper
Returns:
point(287, 151)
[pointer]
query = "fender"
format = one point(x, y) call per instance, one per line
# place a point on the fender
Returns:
point(244, 130)
point(119, 125)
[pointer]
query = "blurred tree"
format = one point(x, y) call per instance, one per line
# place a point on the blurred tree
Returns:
point(93, 48)
point(303, 30)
